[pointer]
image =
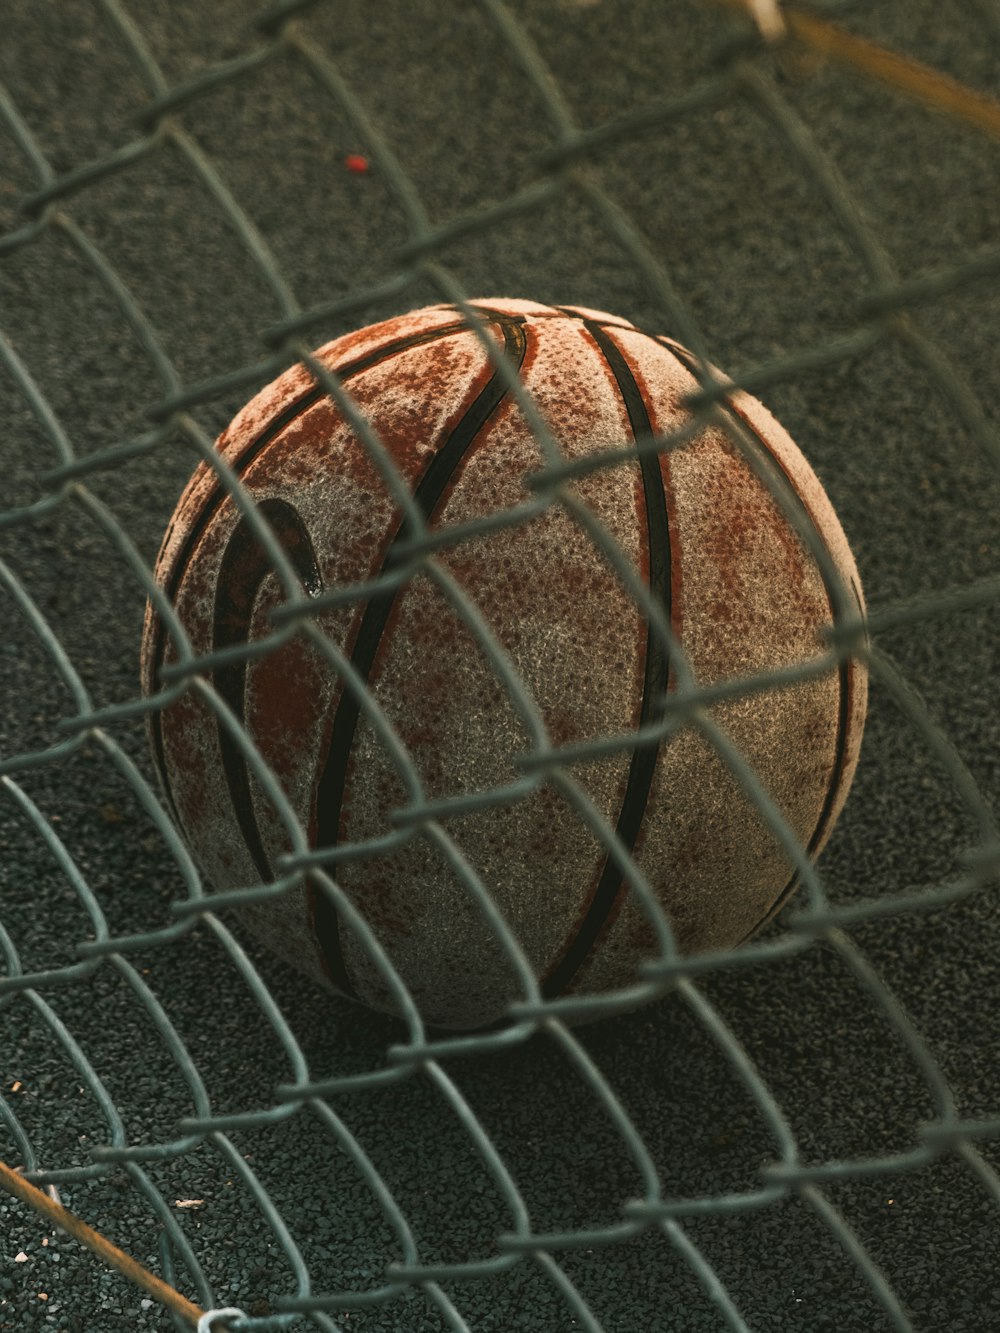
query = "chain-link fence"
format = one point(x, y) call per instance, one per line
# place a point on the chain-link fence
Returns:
point(798, 1134)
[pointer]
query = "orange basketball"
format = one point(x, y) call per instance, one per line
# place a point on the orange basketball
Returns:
point(740, 589)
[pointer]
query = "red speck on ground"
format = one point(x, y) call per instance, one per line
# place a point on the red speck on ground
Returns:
point(356, 163)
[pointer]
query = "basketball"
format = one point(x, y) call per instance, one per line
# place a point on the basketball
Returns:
point(405, 702)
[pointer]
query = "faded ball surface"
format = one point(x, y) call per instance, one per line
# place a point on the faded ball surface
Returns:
point(739, 587)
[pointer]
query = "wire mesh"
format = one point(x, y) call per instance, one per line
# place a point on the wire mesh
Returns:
point(290, 1162)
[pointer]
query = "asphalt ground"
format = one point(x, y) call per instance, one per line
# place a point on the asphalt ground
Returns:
point(765, 270)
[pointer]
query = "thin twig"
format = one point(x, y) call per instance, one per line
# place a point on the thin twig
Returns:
point(911, 77)
point(22, 1189)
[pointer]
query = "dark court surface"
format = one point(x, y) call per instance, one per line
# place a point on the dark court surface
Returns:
point(766, 267)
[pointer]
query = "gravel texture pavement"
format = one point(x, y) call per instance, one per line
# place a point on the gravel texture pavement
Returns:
point(765, 269)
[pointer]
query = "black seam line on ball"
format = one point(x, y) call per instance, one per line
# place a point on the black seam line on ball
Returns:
point(331, 789)
point(245, 565)
point(273, 429)
point(642, 766)
point(843, 724)
point(797, 503)
point(216, 498)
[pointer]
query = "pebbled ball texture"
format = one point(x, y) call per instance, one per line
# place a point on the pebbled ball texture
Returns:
point(737, 584)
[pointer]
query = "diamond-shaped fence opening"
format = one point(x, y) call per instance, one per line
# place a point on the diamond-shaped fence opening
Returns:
point(796, 1133)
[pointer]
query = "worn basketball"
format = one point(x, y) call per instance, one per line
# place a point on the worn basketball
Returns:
point(736, 582)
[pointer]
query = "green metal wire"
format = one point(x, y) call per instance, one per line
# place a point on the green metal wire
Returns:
point(568, 168)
